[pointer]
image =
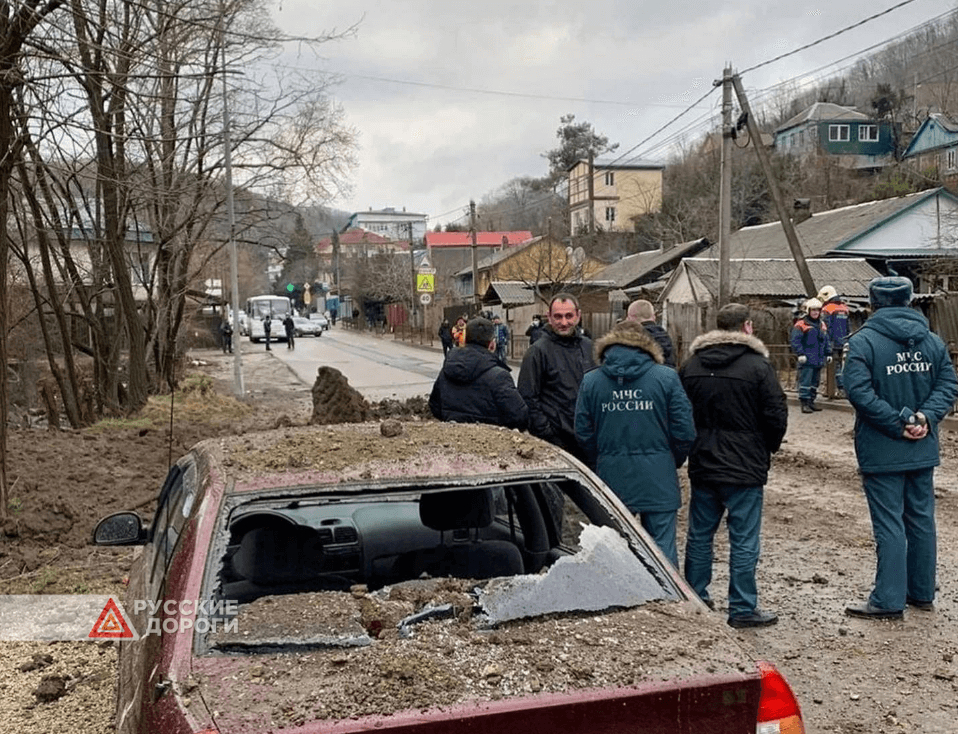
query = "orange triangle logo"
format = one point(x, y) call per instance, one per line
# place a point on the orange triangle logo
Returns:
point(111, 624)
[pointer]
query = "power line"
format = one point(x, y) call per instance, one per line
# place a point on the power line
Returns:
point(828, 37)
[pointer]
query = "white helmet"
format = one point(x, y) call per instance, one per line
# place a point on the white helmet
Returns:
point(827, 293)
point(813, 303)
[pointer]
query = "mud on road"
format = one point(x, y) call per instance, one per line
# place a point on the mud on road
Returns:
point(851, 676)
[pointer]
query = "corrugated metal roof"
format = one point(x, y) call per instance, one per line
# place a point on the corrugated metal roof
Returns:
point(632, 268)
point(779, 278)
point(821, 233)
point(510, 293)
point(483, 239)
point(498, 256)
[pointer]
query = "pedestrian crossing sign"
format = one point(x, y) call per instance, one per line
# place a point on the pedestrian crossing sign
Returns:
point(425, 282)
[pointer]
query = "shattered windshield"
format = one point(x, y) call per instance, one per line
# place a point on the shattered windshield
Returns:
point(327, 572)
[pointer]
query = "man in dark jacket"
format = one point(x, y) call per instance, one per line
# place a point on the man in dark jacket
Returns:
point(445, 336)
point(289, 326)
point(634, 423)
point(900, 379)
point(809, 341)
point(643, 312)
point(535, 330)
point(740, 420)
point(475, 387)
point(550, 374)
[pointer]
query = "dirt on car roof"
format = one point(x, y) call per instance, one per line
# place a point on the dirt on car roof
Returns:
point(387, 449)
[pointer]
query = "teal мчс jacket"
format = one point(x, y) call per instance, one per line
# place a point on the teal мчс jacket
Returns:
point(894, 362)
point(634, 421)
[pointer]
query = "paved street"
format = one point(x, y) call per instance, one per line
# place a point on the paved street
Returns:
point(376, 366)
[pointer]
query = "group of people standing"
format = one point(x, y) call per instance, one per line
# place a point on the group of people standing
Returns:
point(818, 337)
point(620, 406)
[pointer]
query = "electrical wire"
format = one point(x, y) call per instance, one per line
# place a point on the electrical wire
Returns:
point(828, 37)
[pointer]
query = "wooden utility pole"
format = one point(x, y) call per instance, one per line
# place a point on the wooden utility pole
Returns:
point(475, 256)
point(783, 213)
point(725, 190)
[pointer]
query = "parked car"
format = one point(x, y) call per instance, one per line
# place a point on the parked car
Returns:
point(439, 578)
point(320, 319)
point(307, 327)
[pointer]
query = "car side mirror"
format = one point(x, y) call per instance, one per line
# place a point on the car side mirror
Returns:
point(120, 528)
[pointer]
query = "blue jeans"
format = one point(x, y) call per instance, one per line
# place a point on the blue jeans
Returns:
point(661, 526)
point(902, 508)
point(706, 507)
point(808, 382)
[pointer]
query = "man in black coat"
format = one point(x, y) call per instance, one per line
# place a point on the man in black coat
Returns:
point(551, 371)
point(643, 312)
point(740, 418)
point(474, 386)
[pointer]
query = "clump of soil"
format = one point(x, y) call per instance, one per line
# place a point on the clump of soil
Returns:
point(416, 407)
point(334, 401)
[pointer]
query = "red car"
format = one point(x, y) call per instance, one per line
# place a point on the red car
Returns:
point(448, 578)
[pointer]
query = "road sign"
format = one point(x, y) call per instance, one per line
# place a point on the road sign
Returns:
point(425, 282)
point(425, 298)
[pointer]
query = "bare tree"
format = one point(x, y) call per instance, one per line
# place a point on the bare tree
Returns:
point(18, 21)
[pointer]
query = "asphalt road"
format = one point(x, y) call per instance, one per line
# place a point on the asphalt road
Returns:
point(378, 367)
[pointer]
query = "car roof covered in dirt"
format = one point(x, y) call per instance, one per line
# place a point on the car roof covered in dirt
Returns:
point(371, 452)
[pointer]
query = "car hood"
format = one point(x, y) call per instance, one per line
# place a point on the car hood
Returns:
point(449, 667)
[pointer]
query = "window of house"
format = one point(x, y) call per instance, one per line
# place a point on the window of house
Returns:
point(951, 159)
point(610, 178)
point(839, 133)
point(610, 214)
point(868, 133)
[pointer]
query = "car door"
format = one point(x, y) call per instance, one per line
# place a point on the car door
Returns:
point(141, 672)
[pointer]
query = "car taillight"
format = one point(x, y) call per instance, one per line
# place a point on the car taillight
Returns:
point(778, 710)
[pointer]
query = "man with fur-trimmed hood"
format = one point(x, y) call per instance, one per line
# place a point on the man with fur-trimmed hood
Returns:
point(740, 420)
point(634, 423)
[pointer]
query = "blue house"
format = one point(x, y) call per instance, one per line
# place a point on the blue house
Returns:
point(850, 138)
point(935, 148)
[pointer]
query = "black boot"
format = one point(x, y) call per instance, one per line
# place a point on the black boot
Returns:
point(807, 407)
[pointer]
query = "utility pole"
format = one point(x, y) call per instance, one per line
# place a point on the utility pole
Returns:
point(412, 272)
point(238, 387)
point(725, 189)
point(591, 183)
point(335, 241)
point(793, 244)
point(475, 260)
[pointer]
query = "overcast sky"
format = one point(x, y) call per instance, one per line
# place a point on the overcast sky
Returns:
point(453, 99)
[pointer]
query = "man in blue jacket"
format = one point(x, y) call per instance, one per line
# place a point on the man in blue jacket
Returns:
point(634, 423)
point(900, 379)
